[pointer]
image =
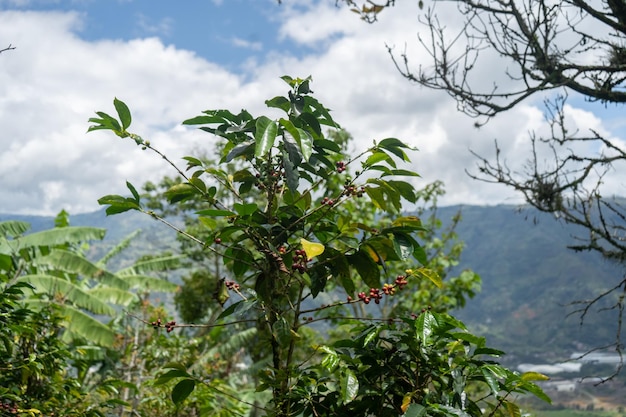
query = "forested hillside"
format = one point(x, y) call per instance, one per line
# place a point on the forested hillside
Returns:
point(530, 280)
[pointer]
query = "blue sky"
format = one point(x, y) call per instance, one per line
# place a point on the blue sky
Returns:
point(170, 60)
point(226, 31)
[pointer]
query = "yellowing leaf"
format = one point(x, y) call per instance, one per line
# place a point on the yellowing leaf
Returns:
point(372, 253)
point(534, 376)
point(312, 249)
point(431, 275)
point(406, 401)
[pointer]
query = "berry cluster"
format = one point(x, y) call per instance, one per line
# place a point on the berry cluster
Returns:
point(341, 166)
point(376, 294)
point(353, 190)
point(270, 179)
point(169, 326)
point(328, 201)
point(299, 260)
point(401, 281)
point(6, 408)
point(232, 285)
point(389, 289)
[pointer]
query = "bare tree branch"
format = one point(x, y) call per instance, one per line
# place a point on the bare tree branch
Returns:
point(8, 48)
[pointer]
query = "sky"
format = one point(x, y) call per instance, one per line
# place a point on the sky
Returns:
point(170, 60)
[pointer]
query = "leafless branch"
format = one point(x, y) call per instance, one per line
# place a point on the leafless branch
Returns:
point(8, 48)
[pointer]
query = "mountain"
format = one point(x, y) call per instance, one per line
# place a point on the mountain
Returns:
point(529, 277)
point(531, 281)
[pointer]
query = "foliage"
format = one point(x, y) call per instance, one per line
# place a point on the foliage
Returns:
point(52, 262)
point(290, 236)
point(548, 49)
point(401, 370)
point(34, 373)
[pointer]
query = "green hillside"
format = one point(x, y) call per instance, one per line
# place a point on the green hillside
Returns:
point(530, 280)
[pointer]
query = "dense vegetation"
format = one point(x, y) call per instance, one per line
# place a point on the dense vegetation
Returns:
point(281, 221)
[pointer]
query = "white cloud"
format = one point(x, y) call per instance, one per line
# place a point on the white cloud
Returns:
point(162, 27)
point(54, 81)
point(242, 43)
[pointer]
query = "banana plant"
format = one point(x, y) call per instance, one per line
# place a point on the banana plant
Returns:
point(52, 262)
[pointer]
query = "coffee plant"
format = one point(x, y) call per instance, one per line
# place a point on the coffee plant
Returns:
point(284, 226)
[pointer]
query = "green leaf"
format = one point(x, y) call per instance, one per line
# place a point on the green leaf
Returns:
point(180, 192)
point(162, 263)
point(491, 380)
point(312, 121)
point(123, 113)
point(366, 267)
point(392, 143)
point(319, 274)
point(512, 409)
point(305, 141)
point(72, 262)
point(327, 144)
point(291, 172)
point(425, 326)
point(238, 308)
point(371, 336)
point(264, 136)
point(105, 122)
point(415, 410)
point(182, 390)
point(406, 190)
point(536, 391)
point(282, 331)
point(349, 386)
point(331, 360)
point(279, 102)
point(401, 172)
point(13, 228)
point(114, 295)
point(403, 245)
point(378, 156)
point(488, 351)
point(58, 287)
point(245, 209)
point(377, 196)
point(395, 146)
point(133, 191)
point(243, 149)
point(60, 236)
point(166, 377)
point(118, 204)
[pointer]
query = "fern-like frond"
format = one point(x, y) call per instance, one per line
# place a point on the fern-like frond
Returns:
point(236, 342)
point(78, 324)
point(118, 248)
point(67, 293)
point(147, 283)
point(163, 263)
point(13, 228)
point(83, 325)
point(74, 263)
point(59, 236)
point(113, 295)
